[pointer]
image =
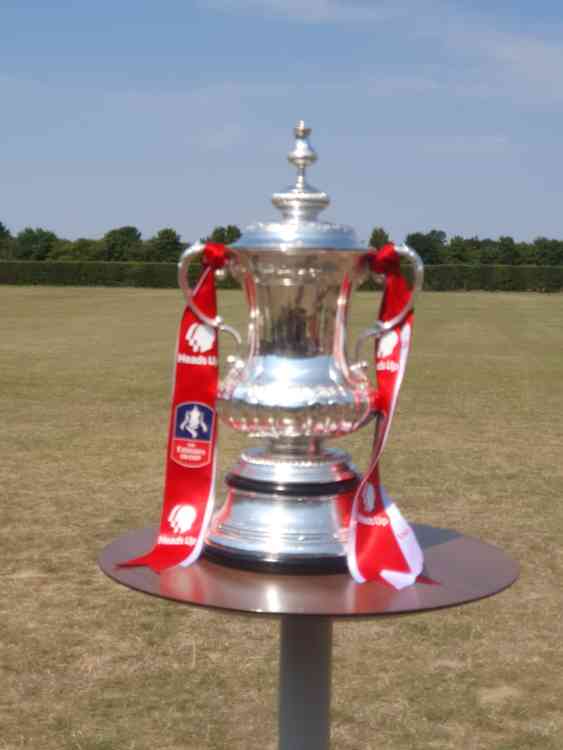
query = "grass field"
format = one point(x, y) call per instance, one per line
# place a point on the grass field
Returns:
point(89, 665)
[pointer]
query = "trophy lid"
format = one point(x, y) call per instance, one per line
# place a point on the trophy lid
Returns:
point(300, 206)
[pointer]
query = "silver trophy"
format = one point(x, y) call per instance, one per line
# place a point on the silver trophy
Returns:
point(288, 500)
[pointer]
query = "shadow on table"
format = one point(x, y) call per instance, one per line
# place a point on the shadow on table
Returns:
point(430, 536)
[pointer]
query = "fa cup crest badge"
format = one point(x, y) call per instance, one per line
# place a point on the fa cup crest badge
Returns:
point(193, 429)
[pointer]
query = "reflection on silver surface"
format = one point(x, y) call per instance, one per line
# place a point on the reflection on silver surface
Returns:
point(274, 464)
point(296, 381)
point(273, 528)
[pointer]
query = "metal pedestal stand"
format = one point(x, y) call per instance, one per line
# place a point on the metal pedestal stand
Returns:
point(464, 569)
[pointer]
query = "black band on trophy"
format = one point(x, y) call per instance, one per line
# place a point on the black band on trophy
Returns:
point(292, 489)
point(294, 565)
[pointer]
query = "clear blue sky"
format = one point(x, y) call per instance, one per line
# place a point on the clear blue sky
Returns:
point(176, 113)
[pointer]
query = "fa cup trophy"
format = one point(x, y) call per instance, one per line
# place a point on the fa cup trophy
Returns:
point(289, 499)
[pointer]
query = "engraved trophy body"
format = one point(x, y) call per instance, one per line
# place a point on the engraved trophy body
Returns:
point(289, 499)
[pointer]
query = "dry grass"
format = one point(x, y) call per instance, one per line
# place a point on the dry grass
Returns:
point(88, 665)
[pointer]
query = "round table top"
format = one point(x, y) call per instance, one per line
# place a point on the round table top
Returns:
point(463, 569)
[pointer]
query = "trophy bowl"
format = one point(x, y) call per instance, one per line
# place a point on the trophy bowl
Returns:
point(289, 499)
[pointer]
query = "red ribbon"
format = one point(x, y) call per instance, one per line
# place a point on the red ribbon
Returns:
point(385, 260)
point(192, 434)
point(214, 255)
point(381, 544)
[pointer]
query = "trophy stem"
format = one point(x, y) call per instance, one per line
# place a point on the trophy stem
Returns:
point(304, 447)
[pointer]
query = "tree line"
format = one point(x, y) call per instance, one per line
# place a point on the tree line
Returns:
point(126, 244)
point(121, 244)
point(435, 248)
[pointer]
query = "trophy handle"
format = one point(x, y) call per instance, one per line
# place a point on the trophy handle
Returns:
point(183, 267)
point(383, 327)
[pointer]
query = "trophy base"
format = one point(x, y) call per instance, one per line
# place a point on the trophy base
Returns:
point(285, 523)
point(291, 566)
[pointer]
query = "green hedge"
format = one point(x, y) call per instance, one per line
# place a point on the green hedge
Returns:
point(446, 278)
point(93, 273)
point(163, 275)
point(495, 278)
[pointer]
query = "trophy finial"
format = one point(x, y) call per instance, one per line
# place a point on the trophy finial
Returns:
point(303, 201)
point(303, 154)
